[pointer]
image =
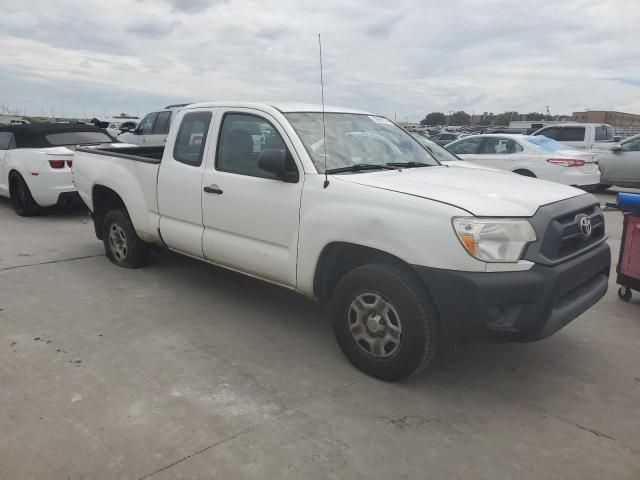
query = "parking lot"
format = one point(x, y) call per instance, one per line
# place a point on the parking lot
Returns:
point(185, 370)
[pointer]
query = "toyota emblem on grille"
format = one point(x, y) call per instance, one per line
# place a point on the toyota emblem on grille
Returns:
point(584, 222)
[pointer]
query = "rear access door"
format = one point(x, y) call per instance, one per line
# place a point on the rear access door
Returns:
point(180, 181)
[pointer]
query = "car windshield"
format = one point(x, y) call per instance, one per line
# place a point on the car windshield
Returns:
point(353, 139)
point(77, 138)
point(547, 144)
point(441, 153)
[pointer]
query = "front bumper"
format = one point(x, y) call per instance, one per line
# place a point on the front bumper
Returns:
point(519, 306)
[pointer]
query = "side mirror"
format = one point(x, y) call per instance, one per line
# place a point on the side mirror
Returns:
point(275, 162)
point(616, 148)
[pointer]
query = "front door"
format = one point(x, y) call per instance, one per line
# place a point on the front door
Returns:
point(180, 182)
point(250, 218)
point(499, 152)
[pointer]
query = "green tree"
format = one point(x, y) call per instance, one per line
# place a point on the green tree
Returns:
point(434, 118)
point(460, 118)
point(504, 118)
point(535, 116)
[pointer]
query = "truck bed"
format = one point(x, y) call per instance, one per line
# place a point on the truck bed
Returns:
point(136, 153)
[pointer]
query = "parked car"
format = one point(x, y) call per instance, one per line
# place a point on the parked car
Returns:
point(35, 162)
point(445, 157)
point(152, 129)
point(531, 156)
point(116, 128)
point(580, 135)
point(445, 138)
point(620, 164)
point(403, 247)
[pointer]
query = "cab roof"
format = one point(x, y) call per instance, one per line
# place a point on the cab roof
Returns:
point(282, 107)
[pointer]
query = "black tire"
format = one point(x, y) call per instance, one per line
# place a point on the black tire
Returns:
point(21, 198)
point(625, 294)
point(121, 243)
point(525, 173)
point(416, 315)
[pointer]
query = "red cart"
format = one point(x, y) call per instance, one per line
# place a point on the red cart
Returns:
point(629, 262)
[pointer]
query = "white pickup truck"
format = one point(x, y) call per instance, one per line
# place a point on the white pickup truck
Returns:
point(580, 135)
point(346, 206)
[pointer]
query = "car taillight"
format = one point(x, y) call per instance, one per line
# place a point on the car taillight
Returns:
point(69, 163)
point(56, 163)
point(567, 162)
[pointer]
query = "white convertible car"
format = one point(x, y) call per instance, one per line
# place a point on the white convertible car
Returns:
point(35, 162)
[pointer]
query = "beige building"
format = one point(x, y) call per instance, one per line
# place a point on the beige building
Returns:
point(615, 119)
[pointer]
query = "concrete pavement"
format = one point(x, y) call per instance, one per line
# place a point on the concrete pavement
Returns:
point(184, 370)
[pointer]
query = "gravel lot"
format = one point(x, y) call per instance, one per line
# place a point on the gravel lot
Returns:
point(184, 370)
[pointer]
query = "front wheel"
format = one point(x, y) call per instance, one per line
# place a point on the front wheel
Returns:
point(121, 242)
point(385, 321)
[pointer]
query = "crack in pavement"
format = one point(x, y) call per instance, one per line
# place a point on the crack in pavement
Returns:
point(235, 435)
point(4, 269)
point(593, 431)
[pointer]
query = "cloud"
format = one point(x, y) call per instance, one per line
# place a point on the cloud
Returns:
point(193, 6)
point(152, 28)
point(406, 57)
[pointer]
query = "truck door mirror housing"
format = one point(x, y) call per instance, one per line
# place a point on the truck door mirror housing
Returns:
point(279, 163)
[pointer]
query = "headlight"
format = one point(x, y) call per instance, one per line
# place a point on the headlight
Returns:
point(494, 239)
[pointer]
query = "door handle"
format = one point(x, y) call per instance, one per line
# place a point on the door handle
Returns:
point(213, 189)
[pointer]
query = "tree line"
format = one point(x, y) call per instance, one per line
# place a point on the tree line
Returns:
point(463, 118)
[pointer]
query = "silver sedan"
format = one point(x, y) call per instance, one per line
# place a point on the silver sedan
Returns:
point(620, 165)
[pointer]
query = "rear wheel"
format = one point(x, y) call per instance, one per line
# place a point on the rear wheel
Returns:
point(525, 173)
point(121, 242)
point(385, 321)
point(21, 198)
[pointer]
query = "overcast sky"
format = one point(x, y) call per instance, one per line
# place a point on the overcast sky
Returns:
point(407, 57)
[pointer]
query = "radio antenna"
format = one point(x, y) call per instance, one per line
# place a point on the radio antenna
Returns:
point(324, 128)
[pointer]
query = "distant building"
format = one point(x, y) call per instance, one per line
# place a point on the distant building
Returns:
point(615, 119)
point(487, 118)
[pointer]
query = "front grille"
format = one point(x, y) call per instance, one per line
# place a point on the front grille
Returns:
point(571, 239)
point(558, 230)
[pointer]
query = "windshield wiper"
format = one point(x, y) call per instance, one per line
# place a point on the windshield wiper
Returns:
point(409, 164)
point(359, 167)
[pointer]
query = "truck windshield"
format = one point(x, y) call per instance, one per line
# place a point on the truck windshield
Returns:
point(353, 139)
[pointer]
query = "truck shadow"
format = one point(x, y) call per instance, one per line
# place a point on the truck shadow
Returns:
point(292, 318)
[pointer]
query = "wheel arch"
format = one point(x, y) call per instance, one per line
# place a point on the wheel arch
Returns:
point(104, 199)
point(338, 258)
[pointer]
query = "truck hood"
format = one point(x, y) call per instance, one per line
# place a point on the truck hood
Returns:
point(481, 192)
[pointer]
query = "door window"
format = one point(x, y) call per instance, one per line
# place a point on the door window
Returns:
point(552, 133)
point(630, 146)
point(572, 134)
point(162, 123)
point(242, 138)
point(6, 141)
point(604, 134)
point(466, 146)
point(192, 138)
point(146, 125)
point(497, 145)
